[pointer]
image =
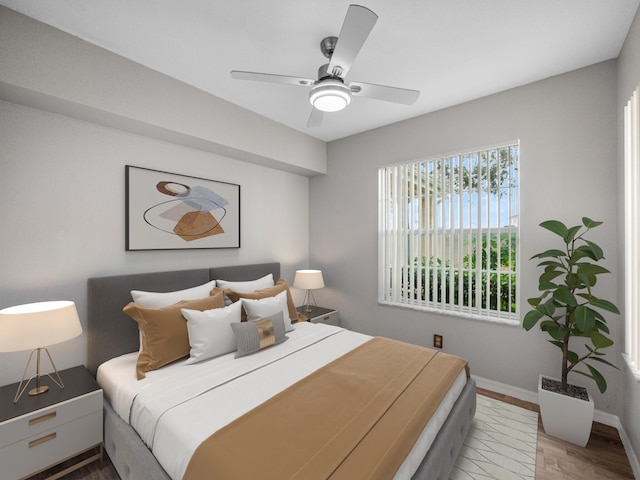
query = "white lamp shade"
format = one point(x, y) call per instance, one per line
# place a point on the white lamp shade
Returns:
point(308, 279)
point(35, 325)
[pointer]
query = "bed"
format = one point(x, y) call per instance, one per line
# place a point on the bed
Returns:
point(114, 339)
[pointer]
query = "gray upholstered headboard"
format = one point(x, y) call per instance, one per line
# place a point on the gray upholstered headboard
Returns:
point(111, 332)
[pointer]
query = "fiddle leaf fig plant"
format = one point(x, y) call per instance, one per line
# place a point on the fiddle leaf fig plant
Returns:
point(567, 307)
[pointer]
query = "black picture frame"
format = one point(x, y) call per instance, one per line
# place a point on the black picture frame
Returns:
point(171, 211)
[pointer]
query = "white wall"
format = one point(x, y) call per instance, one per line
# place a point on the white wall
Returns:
point(567, 131)
point(62, 178)
point(628, 80)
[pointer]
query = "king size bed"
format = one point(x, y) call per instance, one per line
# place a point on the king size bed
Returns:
point(294, 409)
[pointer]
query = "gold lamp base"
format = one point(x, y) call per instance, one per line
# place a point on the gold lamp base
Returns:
point(309, 301)
point(39, 389)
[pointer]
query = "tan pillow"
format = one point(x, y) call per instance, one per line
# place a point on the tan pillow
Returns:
point(163, 330)
point(280, 286)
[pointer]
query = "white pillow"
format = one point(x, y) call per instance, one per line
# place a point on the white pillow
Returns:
point(263, 307)
point(163, 299)
point(210, 332)
point(249, 286)
point(245, 287)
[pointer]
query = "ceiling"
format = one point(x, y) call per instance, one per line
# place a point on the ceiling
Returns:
point(451, 50)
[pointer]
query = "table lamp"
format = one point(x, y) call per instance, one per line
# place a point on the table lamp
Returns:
point(33, 326)
point(308, 280)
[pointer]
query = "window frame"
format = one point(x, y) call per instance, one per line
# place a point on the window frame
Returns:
point(632, 232)
point(394, 234)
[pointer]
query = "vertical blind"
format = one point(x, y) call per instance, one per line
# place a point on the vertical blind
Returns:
point(448, 233)
point(632, 230)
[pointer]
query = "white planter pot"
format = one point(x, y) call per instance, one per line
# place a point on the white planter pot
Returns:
point(565, 417)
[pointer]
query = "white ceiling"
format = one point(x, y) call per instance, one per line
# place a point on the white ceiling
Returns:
point(451, 50)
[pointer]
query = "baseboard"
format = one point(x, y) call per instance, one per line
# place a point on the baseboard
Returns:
point(504, 389)
point(598, 416)
point(628, 448)
point(529, 396)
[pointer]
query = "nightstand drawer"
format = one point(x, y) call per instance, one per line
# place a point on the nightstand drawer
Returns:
point(46, 419)
point(331, 318)
point(50, 446)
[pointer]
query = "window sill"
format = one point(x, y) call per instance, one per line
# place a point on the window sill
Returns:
point(633, 368)
point(510, 322)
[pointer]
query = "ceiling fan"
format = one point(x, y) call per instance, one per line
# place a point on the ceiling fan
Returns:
point(329, 93)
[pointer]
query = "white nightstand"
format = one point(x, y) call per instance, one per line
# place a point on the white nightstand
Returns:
point(328, 316)
point(41, 431)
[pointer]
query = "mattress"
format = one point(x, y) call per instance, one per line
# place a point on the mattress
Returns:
point(178, 406)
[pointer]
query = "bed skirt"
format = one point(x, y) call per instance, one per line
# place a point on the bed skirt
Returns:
point(134, 461)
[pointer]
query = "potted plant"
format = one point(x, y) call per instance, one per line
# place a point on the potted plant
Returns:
point(567, 308)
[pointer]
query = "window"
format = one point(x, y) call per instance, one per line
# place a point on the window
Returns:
point(448, 234)
point(632, 231)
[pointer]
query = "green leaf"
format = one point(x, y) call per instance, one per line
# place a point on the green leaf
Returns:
point(599, 379)
point(583, 318)
point(602, 326)
point(534, 301)
point(547, 308)
point(597, 251)
point(571, 234)
point(600, 341)
point(591, 269)
point(558, 344)
point(578, 253)
point(602, 360)
point(551, 263)
point(547, 286)
point(557, 332)
point(572, 357)
point(556, 227)
point(547, 323)
point(572, 281)
point(564, 295)
point(549, 275)
point(585, 251)
point(605, 305)
point(530, 319)
point(554, 252)
point(587, 280)
point(587, 222)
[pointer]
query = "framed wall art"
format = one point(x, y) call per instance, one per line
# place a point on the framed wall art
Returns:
point(169, 211)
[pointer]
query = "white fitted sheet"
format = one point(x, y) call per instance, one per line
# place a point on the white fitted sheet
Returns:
point(178, 406)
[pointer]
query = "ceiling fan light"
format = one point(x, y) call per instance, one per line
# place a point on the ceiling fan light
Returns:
point(330, 96)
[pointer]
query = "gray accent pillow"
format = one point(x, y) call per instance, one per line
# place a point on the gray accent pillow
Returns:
point(254, 335)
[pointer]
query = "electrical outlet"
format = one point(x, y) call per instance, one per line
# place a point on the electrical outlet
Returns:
point(437, 340)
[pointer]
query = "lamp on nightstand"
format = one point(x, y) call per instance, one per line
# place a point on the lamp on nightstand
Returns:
point(308, 280)
point(33, 326)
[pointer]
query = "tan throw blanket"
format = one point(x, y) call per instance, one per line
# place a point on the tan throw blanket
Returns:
point(357, 417)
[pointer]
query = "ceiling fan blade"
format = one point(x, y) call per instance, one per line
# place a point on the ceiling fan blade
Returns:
point(382, 92)
point(356, 28)
point(268, 77)
point(315, 119)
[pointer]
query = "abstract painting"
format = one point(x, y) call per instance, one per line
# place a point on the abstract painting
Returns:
point(167, 211)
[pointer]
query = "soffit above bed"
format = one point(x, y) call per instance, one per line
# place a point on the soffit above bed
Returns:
point(451, 51)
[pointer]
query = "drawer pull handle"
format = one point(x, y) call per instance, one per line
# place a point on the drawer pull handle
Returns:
point(43, 418)
point(46, 438)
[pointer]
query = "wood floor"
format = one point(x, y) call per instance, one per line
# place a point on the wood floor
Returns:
point(603, 458)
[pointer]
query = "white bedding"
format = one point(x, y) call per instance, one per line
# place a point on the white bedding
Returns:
point(178, 406)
